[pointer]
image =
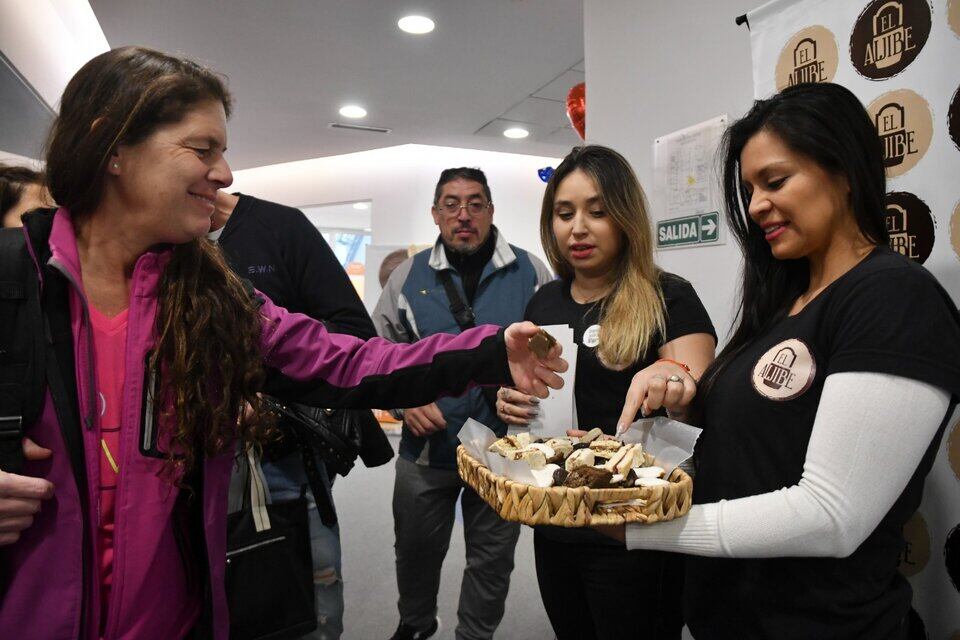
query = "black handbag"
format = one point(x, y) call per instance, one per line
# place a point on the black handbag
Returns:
point(269, 571)
point(332, 433)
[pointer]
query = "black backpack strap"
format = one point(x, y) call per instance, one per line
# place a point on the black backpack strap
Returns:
point(462, 312)
point(21, 348)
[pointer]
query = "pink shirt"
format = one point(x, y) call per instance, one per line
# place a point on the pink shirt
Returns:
point(109, 341)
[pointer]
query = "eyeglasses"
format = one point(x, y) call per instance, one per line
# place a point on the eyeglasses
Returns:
point(452, 208)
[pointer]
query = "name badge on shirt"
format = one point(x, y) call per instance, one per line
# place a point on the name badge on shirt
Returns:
point(785, 371)
point(591, 337)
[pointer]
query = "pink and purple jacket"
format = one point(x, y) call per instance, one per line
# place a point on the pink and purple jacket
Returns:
point(49, 588)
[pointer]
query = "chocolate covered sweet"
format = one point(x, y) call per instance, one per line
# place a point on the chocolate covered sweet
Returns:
point(560, 476)
point(589, 477)
point(611, 462)
point(541, 344)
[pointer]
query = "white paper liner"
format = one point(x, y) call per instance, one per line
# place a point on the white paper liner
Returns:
point(668, 441)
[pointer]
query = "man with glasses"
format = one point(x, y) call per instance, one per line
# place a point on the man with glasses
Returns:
point(471, 276)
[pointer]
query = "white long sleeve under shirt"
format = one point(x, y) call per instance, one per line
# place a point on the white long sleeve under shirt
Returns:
point(869, 435)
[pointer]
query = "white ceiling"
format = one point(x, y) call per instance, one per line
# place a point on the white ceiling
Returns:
point(291, 64)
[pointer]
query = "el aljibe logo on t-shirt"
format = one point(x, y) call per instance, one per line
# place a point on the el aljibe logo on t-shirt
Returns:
point(887, 36)
point(785, 371)
point(910, 225)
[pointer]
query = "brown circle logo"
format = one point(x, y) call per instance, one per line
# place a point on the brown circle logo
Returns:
point(905, 127)
point(953, 16)
point(953, 115)
point(910, 225)
point(953, 450)
point(888, 36)
point(916, 553)
point(784, 372)
point(810, 55)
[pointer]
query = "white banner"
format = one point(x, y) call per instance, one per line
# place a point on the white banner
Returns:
point(901, 59)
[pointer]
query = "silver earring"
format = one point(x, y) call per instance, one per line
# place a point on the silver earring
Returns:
point(116, 166)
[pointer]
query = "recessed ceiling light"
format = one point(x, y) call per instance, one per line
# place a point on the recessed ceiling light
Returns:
point(361, 206)
point(353, 111)
point(417, 25)
point(516, 133)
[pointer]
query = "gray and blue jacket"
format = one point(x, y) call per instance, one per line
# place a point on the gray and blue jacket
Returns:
point(414, 305)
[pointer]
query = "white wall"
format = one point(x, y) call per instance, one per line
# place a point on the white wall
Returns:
point(339, 216)
point(399, 183)
point(47, 41)
point(657, 66)
point(12, 158)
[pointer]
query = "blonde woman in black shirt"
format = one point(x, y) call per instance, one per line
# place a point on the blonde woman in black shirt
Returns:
point(635, 325)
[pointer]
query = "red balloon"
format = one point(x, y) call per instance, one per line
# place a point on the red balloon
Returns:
point(577, 108)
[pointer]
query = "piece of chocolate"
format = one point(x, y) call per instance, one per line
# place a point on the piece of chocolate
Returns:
point(541, 343)
point(560, 476)
point(589, 477)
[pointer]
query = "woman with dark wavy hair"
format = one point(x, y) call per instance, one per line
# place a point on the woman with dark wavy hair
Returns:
point(823, 414)
point(115, 528)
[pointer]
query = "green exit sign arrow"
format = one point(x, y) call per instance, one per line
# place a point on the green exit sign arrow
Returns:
point(703, 228)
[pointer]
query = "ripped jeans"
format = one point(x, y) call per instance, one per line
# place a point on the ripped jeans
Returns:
point(285, 477)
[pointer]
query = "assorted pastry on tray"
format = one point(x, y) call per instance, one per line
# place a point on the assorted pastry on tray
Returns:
point(595, 460)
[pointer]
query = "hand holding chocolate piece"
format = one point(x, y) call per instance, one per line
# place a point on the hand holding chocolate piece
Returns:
point(541, 344)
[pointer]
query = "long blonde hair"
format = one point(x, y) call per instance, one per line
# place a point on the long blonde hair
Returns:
point(633, 314)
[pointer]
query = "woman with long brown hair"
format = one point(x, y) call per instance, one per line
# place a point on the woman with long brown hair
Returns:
point(635, 325)
point(150, 346)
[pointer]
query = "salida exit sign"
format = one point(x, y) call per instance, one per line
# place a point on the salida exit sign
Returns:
point(700, 229)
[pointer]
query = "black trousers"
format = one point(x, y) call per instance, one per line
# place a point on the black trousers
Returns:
point(593, 591)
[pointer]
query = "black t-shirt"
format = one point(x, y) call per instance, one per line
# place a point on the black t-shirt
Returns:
point(886, 315)
point(600, 391)
point(280, 251)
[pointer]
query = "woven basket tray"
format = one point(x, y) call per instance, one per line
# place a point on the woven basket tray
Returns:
point(575, 507)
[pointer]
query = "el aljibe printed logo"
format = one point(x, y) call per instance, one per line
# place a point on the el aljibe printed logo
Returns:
point(889, 35)
point(905, 127)
point(910, 225)
point(785, 371)
point(810, 55)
